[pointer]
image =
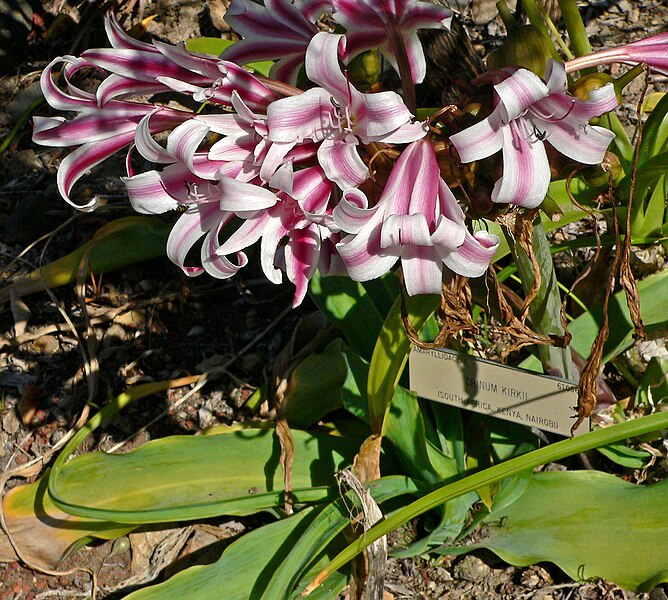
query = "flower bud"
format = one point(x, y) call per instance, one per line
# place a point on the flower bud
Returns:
point(599, 175)
point(588, 83)
point(524, 47)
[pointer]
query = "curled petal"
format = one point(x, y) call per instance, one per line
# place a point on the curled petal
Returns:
point(474, 255)
point(238, 196)
point(519, 91)
point(188, 229)
point(322, 65)
point(87, 156)
point(147, 194)
point(302, 254)
point(352, 212)
point(341, 162)
point(448, 235)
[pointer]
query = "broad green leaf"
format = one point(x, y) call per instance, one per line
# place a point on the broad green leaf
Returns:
point(243, 570)
point(405, 428)
point(322, 531)
point(235, 472)
point(215, 47)
point(347, 305)
point(118, 244)
point(314, 386)
point(271, 560)
point(551, 453)
point(46, 534)
point(391, 353)
point(591, 524)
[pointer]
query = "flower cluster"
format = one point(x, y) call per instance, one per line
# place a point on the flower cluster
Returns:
point(295, 169)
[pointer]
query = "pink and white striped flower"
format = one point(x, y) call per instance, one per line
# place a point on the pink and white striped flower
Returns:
point(337, 116)
point(280, 30)
point(529, 112)
point(417, 220)
point(290, 233)
point(653, 51)
point(391, 26)
point(98, 132)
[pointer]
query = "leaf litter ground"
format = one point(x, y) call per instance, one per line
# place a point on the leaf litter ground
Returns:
point(151, 323)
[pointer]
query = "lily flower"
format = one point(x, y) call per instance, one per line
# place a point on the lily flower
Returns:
point(289, 235)
point(391, 26)
point(417, 220)
point(528, 113)
point(280, 30)
point(98, 132)
point(337, 116)
point(653, 51)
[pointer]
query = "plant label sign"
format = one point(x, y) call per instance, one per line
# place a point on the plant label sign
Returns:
point(492, 389)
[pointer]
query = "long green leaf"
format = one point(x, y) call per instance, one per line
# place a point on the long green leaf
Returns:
point(116, 245)
point(271, 560)
point(193, 477)
point(391, 353)
point(591, 524)
point(554, 452)
point(46, 534)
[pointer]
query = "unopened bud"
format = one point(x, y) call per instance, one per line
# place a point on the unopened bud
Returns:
point(524, 47)
point(599, 175)
point(587, 84)
point(365, 68)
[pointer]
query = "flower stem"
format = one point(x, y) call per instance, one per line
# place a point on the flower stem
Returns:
point(397, 44)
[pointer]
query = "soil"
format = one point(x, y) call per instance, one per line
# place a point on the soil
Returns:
point(151, 323)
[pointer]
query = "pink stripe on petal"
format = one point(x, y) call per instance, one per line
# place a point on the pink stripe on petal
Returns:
point(341, 162)
point(273, 234)
point(422, 269)
point(116, 86)
point(519, 91)
point(188, 229)
point(404, 231)
point(473, 257)
point(184, 140)
point(239, 196)
point(307, 116)
point(480, 140)
point(87, 156)
point(312, 190)
point(322, 65)
point(119, 38)
point(249, 232)
point(147, 194)
point(448, 235)
point(302, 254)
point(526, 170)
point(363, 256)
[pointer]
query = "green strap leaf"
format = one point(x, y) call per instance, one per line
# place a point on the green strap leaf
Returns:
point(391, 353)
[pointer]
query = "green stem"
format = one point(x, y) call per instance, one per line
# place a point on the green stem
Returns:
point(575, 27)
